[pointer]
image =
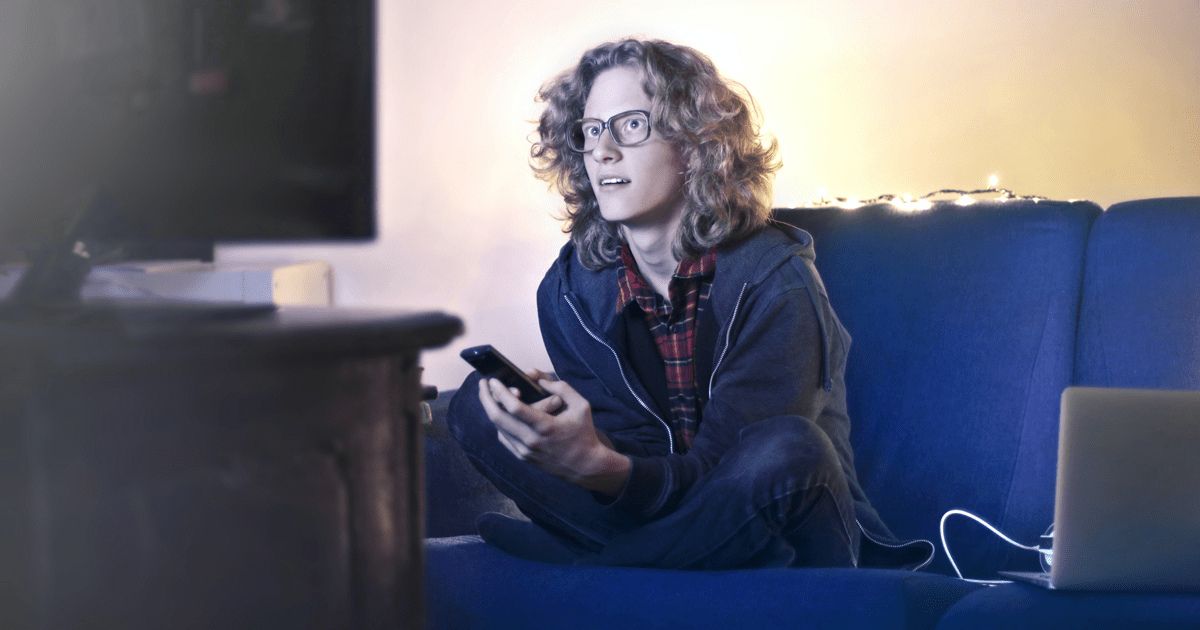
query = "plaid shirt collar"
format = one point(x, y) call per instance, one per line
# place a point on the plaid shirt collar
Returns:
point(634, 288)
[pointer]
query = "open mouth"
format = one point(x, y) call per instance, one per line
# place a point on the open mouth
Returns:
point(611, 181)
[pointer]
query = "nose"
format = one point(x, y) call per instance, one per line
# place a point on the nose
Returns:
point(607, 149)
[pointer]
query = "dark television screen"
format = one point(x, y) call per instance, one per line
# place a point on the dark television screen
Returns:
point(177, 120)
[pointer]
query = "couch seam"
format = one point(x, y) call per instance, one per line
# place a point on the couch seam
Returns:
point(1089, 230)
point(1021, 447)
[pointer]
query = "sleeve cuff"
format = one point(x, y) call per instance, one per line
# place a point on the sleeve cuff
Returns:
point(642, 489)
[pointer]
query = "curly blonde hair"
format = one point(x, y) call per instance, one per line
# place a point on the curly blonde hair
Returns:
point(714, 123)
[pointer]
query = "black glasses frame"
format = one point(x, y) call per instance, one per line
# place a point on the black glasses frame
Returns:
point(607, 124)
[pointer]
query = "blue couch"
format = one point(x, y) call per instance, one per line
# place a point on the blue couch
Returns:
point(967, 323)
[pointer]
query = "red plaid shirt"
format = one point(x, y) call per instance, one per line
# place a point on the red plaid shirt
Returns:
point(673, 325)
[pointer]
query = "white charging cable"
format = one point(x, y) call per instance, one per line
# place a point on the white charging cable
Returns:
point(942, 530)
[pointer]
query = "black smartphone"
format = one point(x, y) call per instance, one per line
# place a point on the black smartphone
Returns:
point(492, 364)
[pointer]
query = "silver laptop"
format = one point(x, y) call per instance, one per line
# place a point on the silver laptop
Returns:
point(1127, 503)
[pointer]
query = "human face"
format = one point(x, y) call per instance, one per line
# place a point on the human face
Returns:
point(637, 186)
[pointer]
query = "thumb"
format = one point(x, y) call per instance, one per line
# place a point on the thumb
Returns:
point(563, 390)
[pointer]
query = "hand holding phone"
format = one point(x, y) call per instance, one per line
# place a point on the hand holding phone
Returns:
point(573, 450)
point(491, 364)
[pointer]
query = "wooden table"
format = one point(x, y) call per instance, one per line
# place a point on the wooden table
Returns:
point(226, 471)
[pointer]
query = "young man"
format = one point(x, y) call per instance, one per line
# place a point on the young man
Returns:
point(700, 420)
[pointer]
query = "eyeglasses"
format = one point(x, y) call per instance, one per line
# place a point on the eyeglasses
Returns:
point(627, 129)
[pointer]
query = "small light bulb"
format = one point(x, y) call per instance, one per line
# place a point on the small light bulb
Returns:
point(964, 201)
point(821, 192)
point(992, 181)
point(907, 198)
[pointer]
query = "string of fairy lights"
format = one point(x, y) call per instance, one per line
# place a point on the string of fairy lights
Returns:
point(924, 202)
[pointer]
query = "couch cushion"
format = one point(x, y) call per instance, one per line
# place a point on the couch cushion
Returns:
point(1023, 606)
point(472, 585)
point(1139, 323)
point(963, 326)
point(1138, 327)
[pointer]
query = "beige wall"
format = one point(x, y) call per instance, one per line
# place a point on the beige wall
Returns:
point(1094, 100)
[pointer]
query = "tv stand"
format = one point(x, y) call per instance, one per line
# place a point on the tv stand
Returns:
point(132, 315)
point(244, 472)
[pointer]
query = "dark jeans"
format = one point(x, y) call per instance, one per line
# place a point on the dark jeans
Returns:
point(777, 498)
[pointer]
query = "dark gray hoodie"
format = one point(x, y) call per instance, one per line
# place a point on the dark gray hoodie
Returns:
point(779, 349)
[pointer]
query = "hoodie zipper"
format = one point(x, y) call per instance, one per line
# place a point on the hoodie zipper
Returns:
point(617, 357)
point(736, 306)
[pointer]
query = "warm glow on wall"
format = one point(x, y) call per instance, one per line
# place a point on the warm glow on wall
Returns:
point(1068, 99)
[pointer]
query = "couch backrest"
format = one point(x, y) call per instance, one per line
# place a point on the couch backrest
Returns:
point(1139, 322)
point(963, 323)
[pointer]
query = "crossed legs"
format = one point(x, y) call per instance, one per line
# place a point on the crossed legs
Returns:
point(777, 498)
